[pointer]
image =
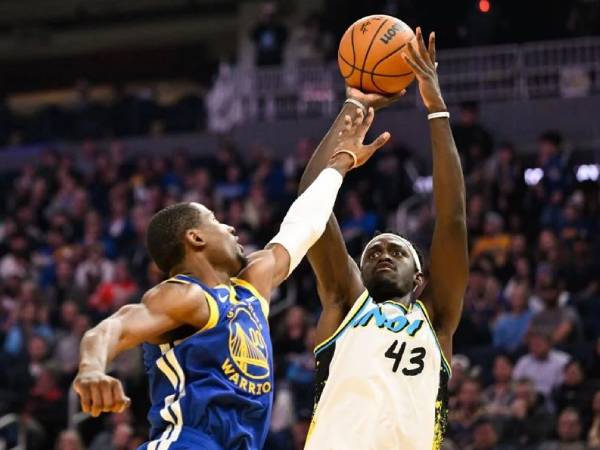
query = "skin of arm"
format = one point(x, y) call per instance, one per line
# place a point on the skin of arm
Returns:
point(449, 261)
point(270, 267)
point(339, 281)
point(164, 308)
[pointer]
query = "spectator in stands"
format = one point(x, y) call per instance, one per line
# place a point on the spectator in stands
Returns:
point(301, 373)
point(531, 422)
point(118, 433)
point(64, 287)
point(554, 161)
point(467, 411)
point(47, 403)
point(309, 42)
point(110, 295)
point(473, 141)
point(360, 225)
point(223, 101)
point(269, 37)
point(560, 322)
point(486, 437)
point(66, 353)
point(27, 326)
point(69, 440)
point(498, 397)
point(574, 391)
point(481, 306)
point(569, 433)
point(543, 365)
point(494, 242)
point(293, 333)
point(511, 327)
point(96, 268)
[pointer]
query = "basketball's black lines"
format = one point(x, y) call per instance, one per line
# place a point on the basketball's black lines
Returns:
point(353, 50)
point(367, 52)
point(370, 72)
point(380, 61)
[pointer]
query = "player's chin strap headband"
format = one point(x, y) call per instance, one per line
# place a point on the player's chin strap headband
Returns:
point(406, 242)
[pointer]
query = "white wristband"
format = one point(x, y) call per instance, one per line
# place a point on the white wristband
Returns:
point(357, 103)
point(438, 115)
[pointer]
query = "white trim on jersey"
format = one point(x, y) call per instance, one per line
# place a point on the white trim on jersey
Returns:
point(171, 412)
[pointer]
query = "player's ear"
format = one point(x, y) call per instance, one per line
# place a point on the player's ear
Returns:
point(195, 238)
point(419, 279)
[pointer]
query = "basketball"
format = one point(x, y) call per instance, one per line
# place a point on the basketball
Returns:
point(369, 56)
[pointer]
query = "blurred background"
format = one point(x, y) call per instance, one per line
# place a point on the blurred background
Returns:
point(111, 110)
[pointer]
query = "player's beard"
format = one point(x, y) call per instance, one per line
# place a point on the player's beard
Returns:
point(382, 290)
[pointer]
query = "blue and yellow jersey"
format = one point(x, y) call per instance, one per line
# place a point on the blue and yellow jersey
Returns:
point(214, 389)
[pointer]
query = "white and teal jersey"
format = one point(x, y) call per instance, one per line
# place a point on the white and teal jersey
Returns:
point(381, 381)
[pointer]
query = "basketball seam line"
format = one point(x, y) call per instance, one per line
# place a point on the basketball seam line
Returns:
point(368, 72)
point(380, 61)
point(368, 50)
point(353, 52)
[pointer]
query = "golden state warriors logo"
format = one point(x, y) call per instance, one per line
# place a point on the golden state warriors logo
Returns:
point(248, 364)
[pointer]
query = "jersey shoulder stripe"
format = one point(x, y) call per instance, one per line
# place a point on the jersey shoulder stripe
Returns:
point(264, 303)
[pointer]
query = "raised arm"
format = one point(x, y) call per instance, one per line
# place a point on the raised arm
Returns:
point(163, 309)
point(449, 265)
point(307, 217)
point(338, 277)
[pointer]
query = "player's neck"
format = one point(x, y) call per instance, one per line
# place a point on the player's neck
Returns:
point(203, 271)
point(405, 300)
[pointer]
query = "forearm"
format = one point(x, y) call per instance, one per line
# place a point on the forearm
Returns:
point(306, 219)
point(100, 345)
point(325, 149)
point(448, 181)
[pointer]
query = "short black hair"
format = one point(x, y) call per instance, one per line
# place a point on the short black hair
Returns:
point(164, 238)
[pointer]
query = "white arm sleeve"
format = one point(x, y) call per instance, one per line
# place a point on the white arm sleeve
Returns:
point(306, 219)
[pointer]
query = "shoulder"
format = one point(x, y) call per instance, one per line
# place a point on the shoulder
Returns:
point(523, 361)
point(173, 294)
point(560, 356)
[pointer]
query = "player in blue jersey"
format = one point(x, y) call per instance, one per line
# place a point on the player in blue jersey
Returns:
point(205, 333)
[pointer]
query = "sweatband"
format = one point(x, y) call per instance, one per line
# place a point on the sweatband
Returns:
point(406, 242)
point(306, 219)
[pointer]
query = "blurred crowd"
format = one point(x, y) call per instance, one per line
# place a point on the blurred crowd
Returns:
point(458, 24)
point(124, 113)
point(526, 374)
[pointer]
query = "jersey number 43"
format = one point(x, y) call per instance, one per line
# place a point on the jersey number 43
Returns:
point(415, 364)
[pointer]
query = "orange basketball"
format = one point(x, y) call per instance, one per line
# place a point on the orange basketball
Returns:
point(369, 55)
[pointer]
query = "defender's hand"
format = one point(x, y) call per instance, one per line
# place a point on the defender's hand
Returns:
point(350, 142)
point(422, 62)
point(100, 393)
point(375, 101)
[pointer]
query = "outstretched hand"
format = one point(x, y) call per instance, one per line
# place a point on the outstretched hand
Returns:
point(350, 139)
point(375, 101)
point(422, 61)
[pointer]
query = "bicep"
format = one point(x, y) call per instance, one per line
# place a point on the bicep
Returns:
point(139, 323)
point(338, 276)
point(162, 310)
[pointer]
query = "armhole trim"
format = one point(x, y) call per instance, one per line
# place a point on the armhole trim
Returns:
point(359, 304)
point(213, 312)
point(176, 280)
point(445, 364)
point(264, 304)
